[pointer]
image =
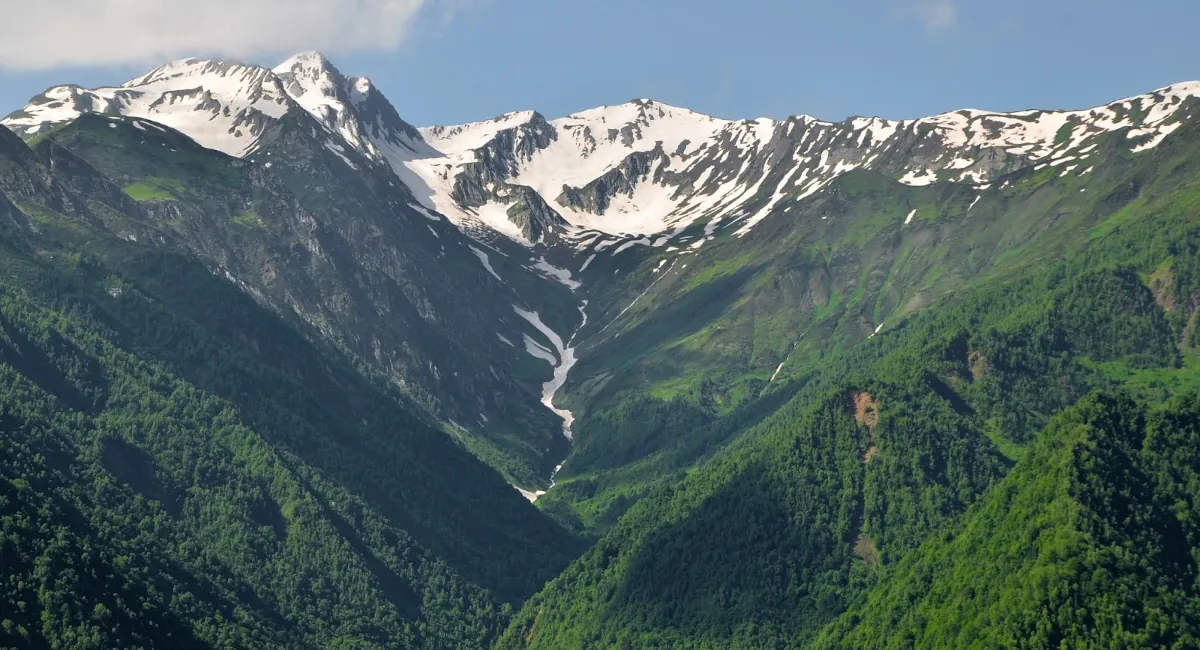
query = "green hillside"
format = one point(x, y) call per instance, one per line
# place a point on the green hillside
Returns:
point(180, 468)
point(793, 522)
point(1090, 542)
point(278, 401)
point(702, 356)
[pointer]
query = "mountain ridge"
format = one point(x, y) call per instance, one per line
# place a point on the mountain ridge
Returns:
point(519, 175)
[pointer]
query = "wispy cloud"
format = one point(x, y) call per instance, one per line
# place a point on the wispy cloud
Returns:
point(46, 34)
point(936, 15)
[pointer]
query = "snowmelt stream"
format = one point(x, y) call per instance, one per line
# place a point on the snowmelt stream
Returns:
point(566, 360)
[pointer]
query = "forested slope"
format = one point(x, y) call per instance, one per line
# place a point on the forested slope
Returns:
point(232, 389)
point(883, 447)
point(181, 468)
point(713, 348)
point(1089, 543)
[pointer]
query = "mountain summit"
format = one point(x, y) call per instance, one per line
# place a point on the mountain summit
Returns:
point(641, 171)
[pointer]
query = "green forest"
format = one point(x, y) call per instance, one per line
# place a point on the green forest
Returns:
point(992, 473)
point(179, 469)
point(980, 430)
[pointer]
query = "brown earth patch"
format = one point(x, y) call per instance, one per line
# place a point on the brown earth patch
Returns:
point(864, 549)
point(1185, 337)
point(820, 287)
point(1161, 282)
point(872, 452)
point(531, 634)
point(866, 409)
point(918, 301)
point(978, 365)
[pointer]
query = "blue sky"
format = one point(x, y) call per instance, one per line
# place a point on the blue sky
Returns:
point(464, 60)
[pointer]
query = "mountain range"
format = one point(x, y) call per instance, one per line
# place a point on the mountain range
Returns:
point(616, 174)
point(763, 380)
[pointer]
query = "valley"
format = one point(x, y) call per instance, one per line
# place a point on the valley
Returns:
point(280, 369)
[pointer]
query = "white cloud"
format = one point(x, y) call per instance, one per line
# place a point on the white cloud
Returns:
point(44, 34)
point(937, 15)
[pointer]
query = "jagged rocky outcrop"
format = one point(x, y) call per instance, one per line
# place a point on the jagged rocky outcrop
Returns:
point(532, 179)
point(596, 196)
point(722, 170)
point(486, 179)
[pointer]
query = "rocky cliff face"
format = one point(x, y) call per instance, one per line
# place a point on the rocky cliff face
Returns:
point(485, 180)
point(623, 180)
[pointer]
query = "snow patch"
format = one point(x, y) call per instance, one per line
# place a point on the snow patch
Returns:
point(487, 263)
point(562, 276)
point(420, 209)
point(540, 351)
point(562, 366)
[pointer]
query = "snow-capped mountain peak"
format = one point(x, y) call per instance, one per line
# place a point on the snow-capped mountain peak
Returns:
point(222, 105)
point(312, 81)
point(202, 72)
point(643, 169)
point(309, 73)
point(465, 138)
point(610, 168)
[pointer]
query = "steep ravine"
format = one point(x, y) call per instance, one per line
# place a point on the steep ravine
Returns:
point(566, 360)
